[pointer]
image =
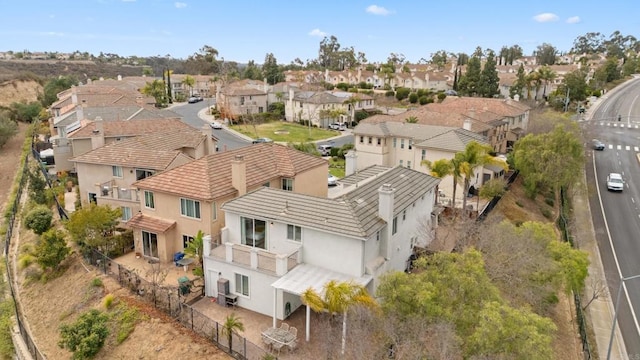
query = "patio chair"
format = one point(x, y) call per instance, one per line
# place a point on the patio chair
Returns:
point(277, 346)
point(284, 326)
point(294, 331)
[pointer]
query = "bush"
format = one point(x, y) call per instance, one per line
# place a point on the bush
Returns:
point(402, 93)
point(546, 213)
point(39, 219)
point(86, 336)
point(519, 203)
point(442, 96)
point(549, 201)
point(52, 249)
point(107, 301)
point(413, 98)
point(390, 93)
point(96, 282)
point(423, 100)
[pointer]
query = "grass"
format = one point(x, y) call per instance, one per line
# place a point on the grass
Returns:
point(336, 167)
point(285, 132)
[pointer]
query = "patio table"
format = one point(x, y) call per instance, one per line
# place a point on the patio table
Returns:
point(277, 335)
point(185, 262)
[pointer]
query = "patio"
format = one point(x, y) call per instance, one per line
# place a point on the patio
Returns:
point(147, 270)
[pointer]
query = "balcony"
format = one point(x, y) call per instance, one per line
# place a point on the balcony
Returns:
point(110, 190)
point(254, 258)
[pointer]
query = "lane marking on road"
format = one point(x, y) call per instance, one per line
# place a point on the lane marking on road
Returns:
point(619, 147)
point(627, 147)
point(613, 250)
point(636, 149)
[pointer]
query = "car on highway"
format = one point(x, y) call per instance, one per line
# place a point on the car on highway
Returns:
point(597, 145)
point(216, 125)
point(615, 182)
point(333, 181)
point(261, 140)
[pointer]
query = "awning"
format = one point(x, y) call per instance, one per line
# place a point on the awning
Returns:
point(306, 276)
point(145, 222)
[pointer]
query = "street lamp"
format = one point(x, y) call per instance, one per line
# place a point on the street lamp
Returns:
point(615, 312)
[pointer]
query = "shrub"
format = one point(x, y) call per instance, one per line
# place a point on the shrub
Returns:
point(422, 100)
point(519, 203)
point(413, 98)
point(107, 301)
point(402, 93)
point(546, 213)
point(96, 282)
point(442, 96)
point(52, 249)
point(86, 336)
point(39, 219)
point(390, 93)
point(549, 201)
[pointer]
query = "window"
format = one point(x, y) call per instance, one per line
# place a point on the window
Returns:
point(252, 232)
point(242, 284)
point(148, 200)
point(93, 198)
point(410, 144)
point(378, 141)
point(126, 213)
point(241, 100)
point(149, 244)
point(409, 164)
point(394, 226)
point(294, 233)
point(117, 171)
point(377, 235)
point(186, 239)
point(190, 208)
point(142, 173)
point(260, 109)
point(395, 141)
point(401, 162)
point(361, 139)
point(423, 155)
point(369, 140)
point(287, 184)
point(401, 143)
point(404, 215)
point(214, 211)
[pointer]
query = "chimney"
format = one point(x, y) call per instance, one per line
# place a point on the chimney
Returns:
point(74, 98)
point(239, 174)
point(467, 124)
point(210, 141)
point(80, 112)
point(350, 163)
point(97, 135)
point(385, 203)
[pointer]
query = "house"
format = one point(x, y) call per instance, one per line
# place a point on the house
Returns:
point(106, 174)
point(85, 136)
point(409, 145)
point(276, 244)
point(322, 108)
point(176, 203)
point(244, 97)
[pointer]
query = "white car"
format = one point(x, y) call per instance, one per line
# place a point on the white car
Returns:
point(615, 182)
point(216, 125)
point(333, 181)
point(338, 126)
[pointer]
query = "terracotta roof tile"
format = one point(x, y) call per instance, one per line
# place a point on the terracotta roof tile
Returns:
point(130, 128)
point(209, 178)
point(151, 223)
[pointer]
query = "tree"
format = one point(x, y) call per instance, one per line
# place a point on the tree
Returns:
point(189, 81)
point(495, 187)
point(467, 161)
point(520, 84)
point(232, 324)
point(25, 112)
point(194, 249)
point(549, 160)
point(545, 54)
point(92, 226)
point(468, 83)
point(39, 219)
point(337, 298)
point(608, 72)
point(54, 86)
point(8, 128)
point(51, 249)
point(440, 168)
point(155, 89)
point(590, 43)
point(575, 83)
point(271, 70)
point(546, 74)
point(489, 80)
point(439, 59)
point(533, 81)
point(86, 336)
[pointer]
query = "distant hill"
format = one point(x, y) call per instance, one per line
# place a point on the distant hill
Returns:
point(81, 70)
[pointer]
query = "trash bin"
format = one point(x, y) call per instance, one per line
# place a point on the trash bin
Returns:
point(184, 285)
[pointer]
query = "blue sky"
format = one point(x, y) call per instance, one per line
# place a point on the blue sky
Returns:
point(248, 30)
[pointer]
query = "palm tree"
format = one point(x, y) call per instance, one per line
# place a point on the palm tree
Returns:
point(194, 249)
point(439, 168)
point(533, 79)
point(232, 324)
point(189, 81)
point(411, 120)
point(338, 297)
point(546, 74)
point(474, 155)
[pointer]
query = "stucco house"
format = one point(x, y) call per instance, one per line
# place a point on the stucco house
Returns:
point(408, 145)
point(276, 244)
point(244, 97)
point(176, 203)
point(322, 108)
point(106, 174)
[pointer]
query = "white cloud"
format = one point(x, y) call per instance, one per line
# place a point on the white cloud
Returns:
point(573, 20)
point(377, 10)
point(317, 32)
point(546, 17)
point(180, 5)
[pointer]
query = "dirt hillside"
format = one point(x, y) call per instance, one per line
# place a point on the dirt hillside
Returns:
point(18, 91)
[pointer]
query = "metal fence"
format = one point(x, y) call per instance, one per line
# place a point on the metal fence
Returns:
point(24, 332)
point(494, 201)
point(175, 303)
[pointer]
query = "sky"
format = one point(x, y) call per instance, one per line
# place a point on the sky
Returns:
point(249, 29)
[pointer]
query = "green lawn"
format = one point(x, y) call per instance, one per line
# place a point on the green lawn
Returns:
point(336, 167)
point(285, 132)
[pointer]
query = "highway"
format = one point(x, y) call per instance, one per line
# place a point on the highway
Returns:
point(616, 216)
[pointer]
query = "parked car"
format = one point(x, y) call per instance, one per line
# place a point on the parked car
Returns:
point(615, 182)
point(333, 181)
point(338, 126)
point(216, 125)
point(261, 140)
point(325, 150)
point(193, 100)
point(598, 145)
point(198, 97)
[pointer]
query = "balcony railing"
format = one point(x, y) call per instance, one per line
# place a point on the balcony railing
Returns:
point(262, 260)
